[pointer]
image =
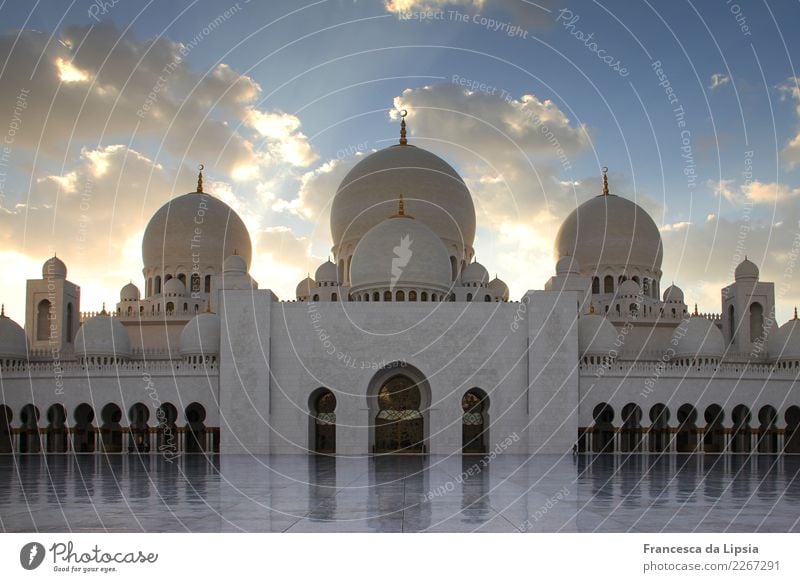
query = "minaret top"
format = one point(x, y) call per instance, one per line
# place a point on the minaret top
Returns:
point(605, 181)
point(201, 167)
point(403, 140)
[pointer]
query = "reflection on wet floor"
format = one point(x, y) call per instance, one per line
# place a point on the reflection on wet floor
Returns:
point(613, 493)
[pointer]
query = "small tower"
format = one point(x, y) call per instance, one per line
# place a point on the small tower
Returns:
point(748, 311)
point(52, 308)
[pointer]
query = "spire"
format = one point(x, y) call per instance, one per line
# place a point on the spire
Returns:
point(401, 209)
point(403, 140)
point(795, 311)
point(3, 311)
point(200, 178)
point(104, 309)
point(695, 310)
point(605, 181)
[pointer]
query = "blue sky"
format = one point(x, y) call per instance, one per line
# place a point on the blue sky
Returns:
point(332, 71)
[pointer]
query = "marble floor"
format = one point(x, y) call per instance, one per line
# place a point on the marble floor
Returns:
point(614, 493)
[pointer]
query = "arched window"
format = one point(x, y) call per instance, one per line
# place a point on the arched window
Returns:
point(400, 296)
point(732, 322)
point(208, 284)
point(182, 278)
point(474, 439)
point(453, 268)
point(334, 297)
point(69, 332)
point(595, 285)
point(423, 296)
point(315, 298)
point(469, 296)
point(323, 418)
point(149, 286)
point(195, 287)
point(608, 284)
point(366, 296)
point(756, 322)
point(158, 284)
point(433, 296)
point(487, 297)
point(42, 320)
point(412, 295)
point(170, 307)
point(387, 295)
point(376, 296)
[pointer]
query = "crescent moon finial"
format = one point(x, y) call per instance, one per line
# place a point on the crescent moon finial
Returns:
point(200, 178)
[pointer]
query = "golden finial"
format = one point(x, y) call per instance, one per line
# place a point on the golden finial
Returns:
point(795, 311)
point(104, 309)
point(403, 140)
point(605, 180)
point(591, 308)
point(3, 311)
point(401, 209)
point(695, 310)
point(201, 167)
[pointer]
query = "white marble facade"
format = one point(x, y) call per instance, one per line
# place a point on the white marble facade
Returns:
point(206, 360)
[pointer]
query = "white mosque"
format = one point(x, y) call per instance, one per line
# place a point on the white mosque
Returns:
point(402, 343)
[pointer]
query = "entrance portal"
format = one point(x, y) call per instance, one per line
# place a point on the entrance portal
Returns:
point(399, 425)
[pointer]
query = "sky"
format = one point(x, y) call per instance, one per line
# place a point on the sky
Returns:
point(107, 108)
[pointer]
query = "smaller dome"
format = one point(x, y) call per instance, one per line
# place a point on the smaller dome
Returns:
point(129, 292)
point(697, 337)
point(629, 288)
point(567, 265)
point(54, 268)
point(596, 335)
point(327, 273)
point(673, 294)
point(200, 337)
point(13, 343)
point(475, 273)
point(235, 265)
point(304, 288)
point(174, 288)
point(103, 335)
point(746, 271)
point(784, 343)
point(499, 287)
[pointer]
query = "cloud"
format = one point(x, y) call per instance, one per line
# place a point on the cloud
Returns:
point(754, 192)
point(718, 80)
point(101, 85)
point(790, 89)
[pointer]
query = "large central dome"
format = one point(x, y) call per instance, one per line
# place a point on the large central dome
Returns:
point(434, 194)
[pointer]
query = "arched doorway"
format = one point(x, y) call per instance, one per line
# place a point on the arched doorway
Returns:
point(603, 431)
point(714, 434)
point(767, 433)
point(111, 431)
point(56, 429)
point(399, 420)
point(631, 433)
point(323, 421)
point(167, 435)
point(29, 441)
point(687, 429)
point(659, 428)
point(740, 437)
point(83, 438)
point(139, 430)
point(195, 429)
point(475, 422)
point(791, 442)
point(6, 417)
